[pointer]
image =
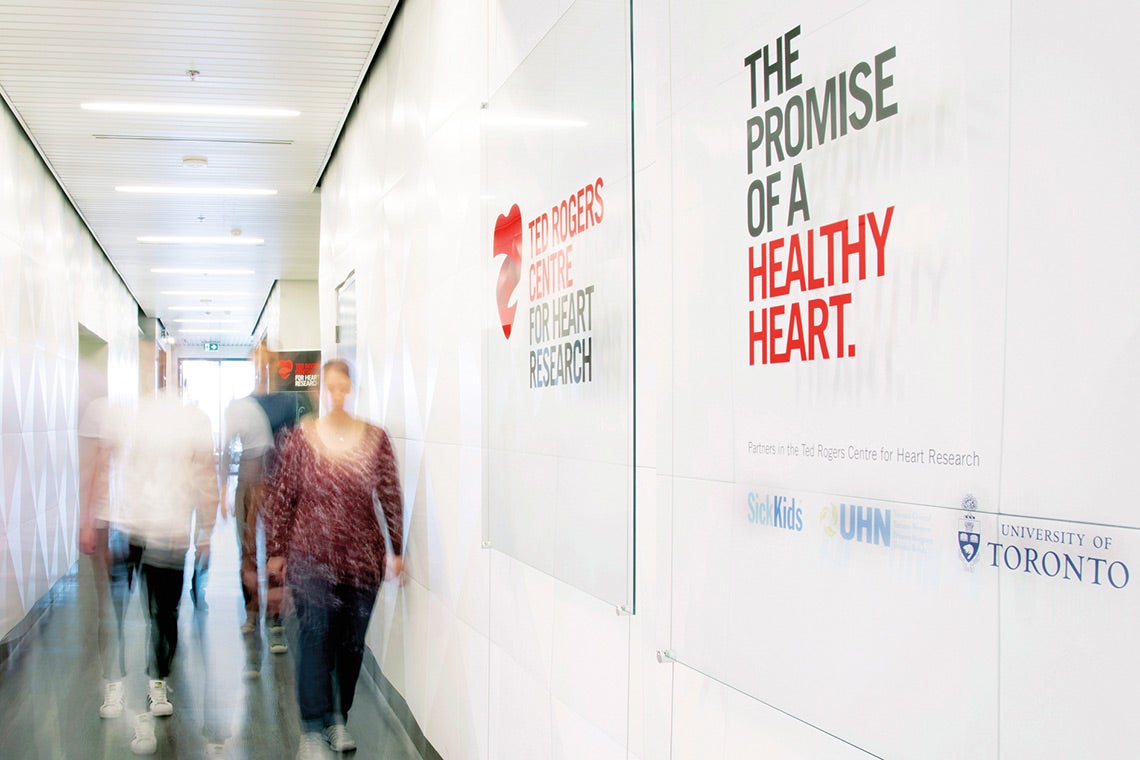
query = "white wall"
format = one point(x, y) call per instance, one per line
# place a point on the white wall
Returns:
point(498, 660)
point(400, 207)
point(290, 320)
point(54, 278)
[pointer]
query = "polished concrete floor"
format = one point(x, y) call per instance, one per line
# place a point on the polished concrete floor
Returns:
point(51, 686)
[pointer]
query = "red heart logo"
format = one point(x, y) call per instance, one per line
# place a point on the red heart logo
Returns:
point(284, 368)
point(508, 243)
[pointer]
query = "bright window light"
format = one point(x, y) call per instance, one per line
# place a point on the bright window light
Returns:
point(201, 239)
point(184, 190)
point(190, 109)
point(207, 321)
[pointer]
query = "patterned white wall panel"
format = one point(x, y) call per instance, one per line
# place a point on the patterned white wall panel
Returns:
point(515, 28)
point(55, 278)
point(589, 672)
point(1074, 470)
point(401, 208)
point(520, 712)
point(716, 722)
point(463, 727)
point(522, 616)
point(1046, 394)
point(573, 736)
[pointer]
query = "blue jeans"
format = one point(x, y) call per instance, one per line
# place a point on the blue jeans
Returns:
point(332, 620)
point(114, 569)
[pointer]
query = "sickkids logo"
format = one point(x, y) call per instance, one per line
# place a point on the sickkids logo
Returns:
point(1049, 553)
point(857, 522)
point(560, 314)
point(775, 512)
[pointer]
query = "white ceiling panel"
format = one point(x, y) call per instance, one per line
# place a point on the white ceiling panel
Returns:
point(307, 56)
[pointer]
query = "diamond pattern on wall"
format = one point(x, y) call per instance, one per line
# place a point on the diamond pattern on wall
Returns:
point(55, 278)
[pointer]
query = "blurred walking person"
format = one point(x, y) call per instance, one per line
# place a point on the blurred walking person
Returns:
point(164, 456)
point(104, 542)
point(252, 426)
point(334, 503)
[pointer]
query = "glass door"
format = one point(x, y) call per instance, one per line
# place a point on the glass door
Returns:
point(211, 384)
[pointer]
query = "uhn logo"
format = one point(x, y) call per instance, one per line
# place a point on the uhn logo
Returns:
point(868, 525)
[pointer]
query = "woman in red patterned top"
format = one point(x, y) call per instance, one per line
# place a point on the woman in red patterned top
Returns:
point(323, 533)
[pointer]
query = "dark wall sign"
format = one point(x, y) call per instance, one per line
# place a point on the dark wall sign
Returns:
point(295, 371)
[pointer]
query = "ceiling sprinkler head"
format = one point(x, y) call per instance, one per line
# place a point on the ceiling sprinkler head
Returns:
point(193, 74)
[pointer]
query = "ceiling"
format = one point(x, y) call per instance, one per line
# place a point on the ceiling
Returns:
point(307, 57)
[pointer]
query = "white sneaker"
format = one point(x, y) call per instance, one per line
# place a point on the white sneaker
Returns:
point(249, 626)
point(144, 742)
point(277, 643)
point(311, 747)
point(157, 699)
point(112, 706)
point(338, 737)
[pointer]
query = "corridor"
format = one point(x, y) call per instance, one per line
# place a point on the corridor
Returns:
point(732, 380)
point(51, 689)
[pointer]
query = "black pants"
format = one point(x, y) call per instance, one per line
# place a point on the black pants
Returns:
point(162, 589)
point(332, 620)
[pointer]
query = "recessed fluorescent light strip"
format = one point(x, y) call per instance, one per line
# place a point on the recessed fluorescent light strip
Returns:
point(202, 271)
point(172, 138)
point(211, 332)
point(223, 309)
point(205, 293)
point(200, 240)
point(208, 321)
point(189, 109)
point(172, 190)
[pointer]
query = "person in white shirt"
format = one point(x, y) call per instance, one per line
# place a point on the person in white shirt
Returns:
point(164, 464)
point(249, 438)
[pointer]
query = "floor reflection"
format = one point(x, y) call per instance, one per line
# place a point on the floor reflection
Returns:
point(232, 698)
